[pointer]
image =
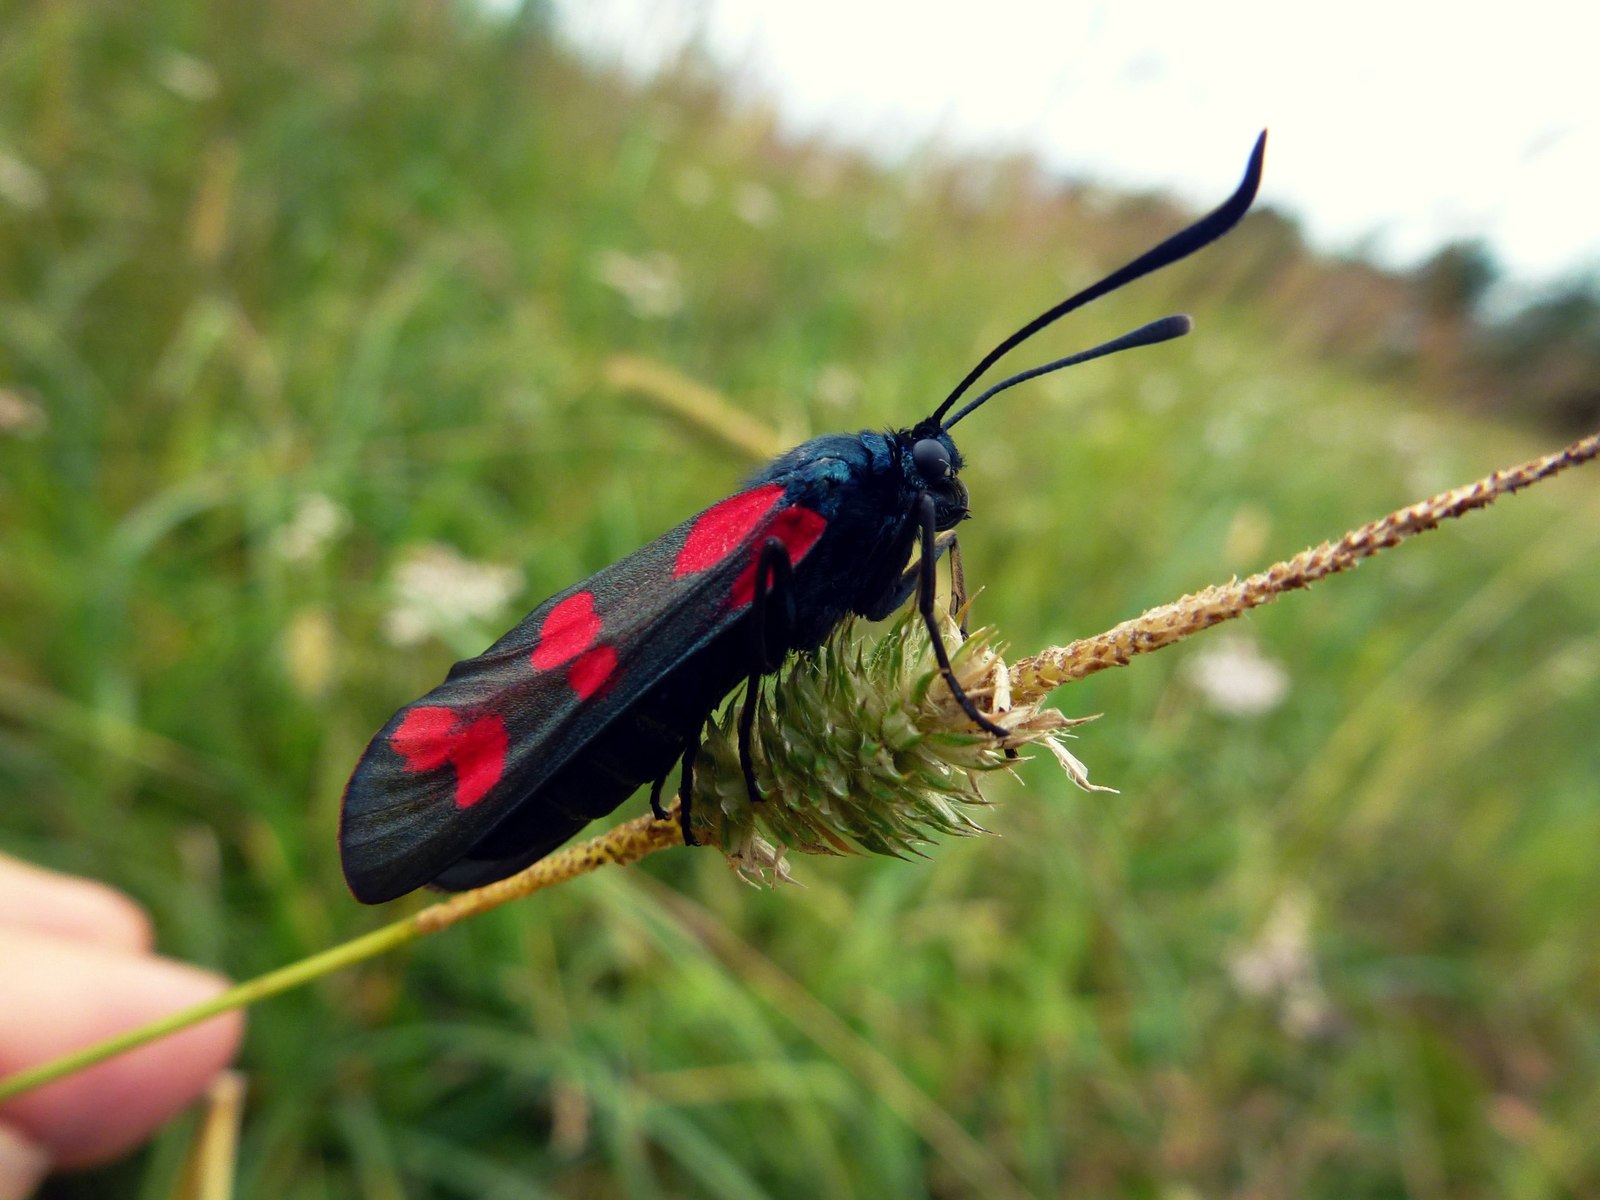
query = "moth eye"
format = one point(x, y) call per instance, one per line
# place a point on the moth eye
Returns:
point(931, 459)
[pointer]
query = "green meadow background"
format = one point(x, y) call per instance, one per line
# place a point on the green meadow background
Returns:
point(308, 311)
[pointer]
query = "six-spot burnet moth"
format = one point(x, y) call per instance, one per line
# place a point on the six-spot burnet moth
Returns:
point(607, 686)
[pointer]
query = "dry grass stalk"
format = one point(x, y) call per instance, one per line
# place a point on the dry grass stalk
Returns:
point(945, 753)
point(1169, 623)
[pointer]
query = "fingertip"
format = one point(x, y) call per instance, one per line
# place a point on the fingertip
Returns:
point(68, 995)
point(66, 906)
point(111, 918)
point(23, 1164)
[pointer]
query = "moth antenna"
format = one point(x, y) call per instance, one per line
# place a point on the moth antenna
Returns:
point(1163, 330)
point(1180, 245)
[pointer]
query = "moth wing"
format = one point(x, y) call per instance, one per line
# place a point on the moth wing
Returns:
point(448, 768)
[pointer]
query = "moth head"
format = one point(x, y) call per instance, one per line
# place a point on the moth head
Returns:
point(931, 465)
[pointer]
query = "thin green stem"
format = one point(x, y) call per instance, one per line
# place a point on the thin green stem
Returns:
point(271, 984)
point(624, 844)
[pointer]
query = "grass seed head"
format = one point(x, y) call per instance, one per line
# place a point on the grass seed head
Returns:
point(859, 747)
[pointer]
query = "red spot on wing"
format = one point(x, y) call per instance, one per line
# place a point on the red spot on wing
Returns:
point(568, 636)
point(480, 759)
point(721, 528)
point(431, 737)
point(591, 671)
point(423, 738)
point(798, 529)
point(569, 629)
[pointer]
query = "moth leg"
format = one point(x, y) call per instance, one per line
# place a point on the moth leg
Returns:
point(958, 585)
point(656, 810)
point(925, 597)
point(772, 574)
point(747, 721)
point(685, 790)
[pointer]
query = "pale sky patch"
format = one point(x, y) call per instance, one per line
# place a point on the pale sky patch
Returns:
point(1395, 126)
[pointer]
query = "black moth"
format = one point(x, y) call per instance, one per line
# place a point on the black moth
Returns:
point(606, 686)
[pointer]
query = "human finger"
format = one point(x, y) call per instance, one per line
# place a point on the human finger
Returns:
point(57, 995)
point(49, 902)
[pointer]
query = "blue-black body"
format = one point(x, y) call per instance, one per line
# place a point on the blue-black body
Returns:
point(607, 685)
point(866, 485)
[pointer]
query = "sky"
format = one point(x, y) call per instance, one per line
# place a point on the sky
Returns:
point(1395, 126)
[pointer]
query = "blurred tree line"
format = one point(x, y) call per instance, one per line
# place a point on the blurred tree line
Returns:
point(1543, 358)
point(1446, 326)
point(1538, 360)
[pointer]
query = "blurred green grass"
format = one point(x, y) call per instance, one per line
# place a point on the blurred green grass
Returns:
point(381, 254)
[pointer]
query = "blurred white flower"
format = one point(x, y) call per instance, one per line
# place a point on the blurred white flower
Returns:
point(755, 205)
point(308, 647)
point(437, 590)
point(1225, 434)
point(1278, 967)
point(187, 76)
point(21, 185)
point(838, 386)
point(650, 283)
point(1280, 956)
point(1235, 679)
point(20, 415)
point(317, 521)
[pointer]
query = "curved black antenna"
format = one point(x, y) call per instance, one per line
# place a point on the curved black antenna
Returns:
point(1180, 245)
point(1163, 330)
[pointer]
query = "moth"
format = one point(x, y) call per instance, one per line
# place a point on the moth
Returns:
point(606, 686)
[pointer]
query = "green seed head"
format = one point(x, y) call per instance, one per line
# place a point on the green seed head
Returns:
point(860, 748)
